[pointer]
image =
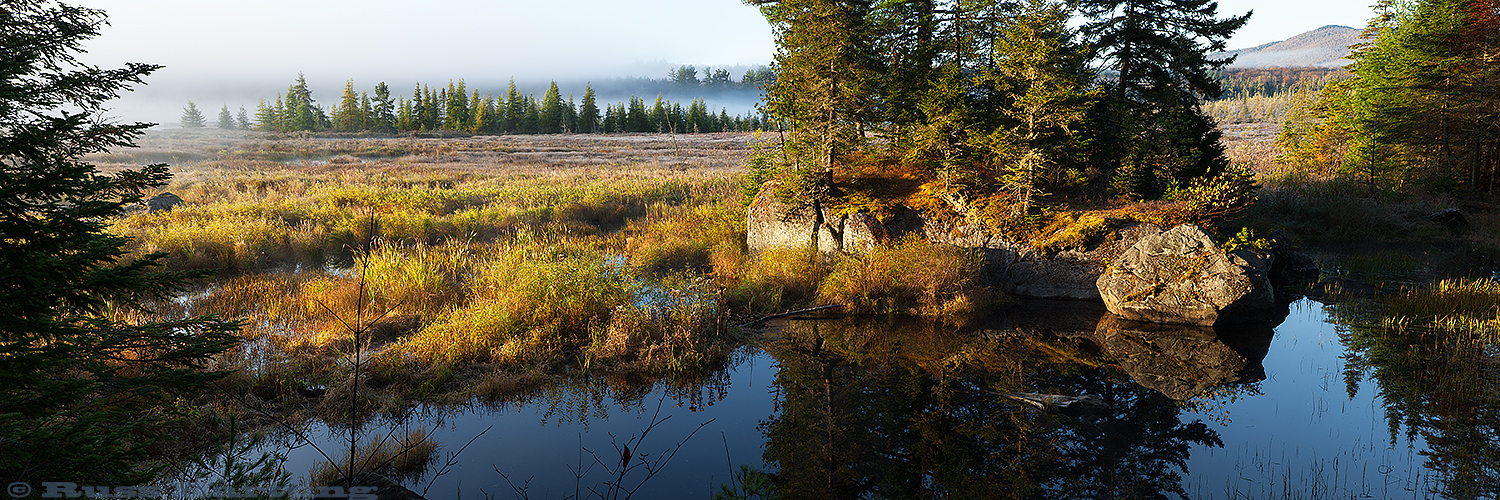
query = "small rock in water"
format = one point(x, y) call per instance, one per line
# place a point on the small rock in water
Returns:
point(1086, 402)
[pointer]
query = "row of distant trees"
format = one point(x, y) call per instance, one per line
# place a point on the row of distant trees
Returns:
point(458, 108)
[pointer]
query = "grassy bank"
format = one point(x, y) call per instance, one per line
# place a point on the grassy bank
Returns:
point(450, 268)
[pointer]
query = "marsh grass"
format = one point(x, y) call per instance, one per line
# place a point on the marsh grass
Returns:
point(397, 456)
point(1466, 309)
point(906, 277)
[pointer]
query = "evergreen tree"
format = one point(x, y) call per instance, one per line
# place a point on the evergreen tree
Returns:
point(265, 116)
point(82, 393)
point(551, 111)
point(1042, 72)
point(432, 106)
point(825, 79)
point(1156, 137)
point(242, 120)
point(191, 117)
point(347, 116)
point(588, 113)
point(658, 117)
point(636, 118)
point(515, 109)
point(456, 116)
point(479, 121)
point(685, 76)
point(383, 110)
point(758, 77)
point(300, 111)
point(366, 112)
point(226, 120)
point(531, 121)
point(406, 116)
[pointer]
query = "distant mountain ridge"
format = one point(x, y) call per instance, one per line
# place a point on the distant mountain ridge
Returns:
point(1324, 47)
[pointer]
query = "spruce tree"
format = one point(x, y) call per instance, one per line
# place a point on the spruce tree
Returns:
point(82, 392)
point(242, 120)
point(515, 109)
point(347, 116)
point(191, 117)
point(550, 120)
point(265, 117)
point(226, 120)
point(300, 113)
point(1155, 136)
point(588, 113)
point(383, 110)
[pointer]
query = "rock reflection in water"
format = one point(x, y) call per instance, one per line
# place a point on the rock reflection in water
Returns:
point(888, 408)
point(1184, 361)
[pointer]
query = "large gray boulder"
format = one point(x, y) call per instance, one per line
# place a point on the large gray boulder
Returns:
point(1014, 267)
point(771, 223)
point(162, 202)
point(1182, 277)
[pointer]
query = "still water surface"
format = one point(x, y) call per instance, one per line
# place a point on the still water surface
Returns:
point(897, 409)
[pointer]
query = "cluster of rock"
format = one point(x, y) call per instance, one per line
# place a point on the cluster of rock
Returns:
point(1140, 271)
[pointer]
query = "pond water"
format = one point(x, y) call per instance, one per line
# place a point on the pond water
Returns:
point(892, 408)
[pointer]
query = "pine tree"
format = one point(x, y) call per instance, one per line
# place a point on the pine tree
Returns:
point(242, 120)
point(300, 111)
point(383, 110)
point(1043, 74)
point(347, 116)
point(515, 109)
point(1155, 136)
point(456, 107)
point(191, 117)
point(265, 116)
point(636, 118)
point(479, 120)
point(226, 120)
point(82, 393)
point(825, 79)
point(588, 113)
point(406, 116)
point(550, 120)
point(366, 112)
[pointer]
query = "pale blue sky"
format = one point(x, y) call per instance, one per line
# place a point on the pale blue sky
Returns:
point(229, 51)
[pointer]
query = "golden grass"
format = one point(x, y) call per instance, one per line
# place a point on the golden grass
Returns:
point(1468, 308)
point(906, 277)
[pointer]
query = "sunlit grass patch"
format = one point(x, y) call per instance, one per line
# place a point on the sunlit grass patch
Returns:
point(675, 325)
point(773, 279)
point(907, 277)
point(1469, 307)
point(528, 305)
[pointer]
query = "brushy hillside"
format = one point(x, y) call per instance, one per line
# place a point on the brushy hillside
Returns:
point(1322, 47)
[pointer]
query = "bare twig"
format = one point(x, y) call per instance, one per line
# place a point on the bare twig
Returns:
point(790, 313)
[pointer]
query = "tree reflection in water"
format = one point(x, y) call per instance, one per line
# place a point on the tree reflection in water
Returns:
point(1442, 387)
point(904, 409)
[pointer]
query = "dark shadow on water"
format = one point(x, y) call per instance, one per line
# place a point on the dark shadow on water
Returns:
point(905, 408)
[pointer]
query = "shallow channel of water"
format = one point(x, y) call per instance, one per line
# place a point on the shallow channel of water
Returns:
point(898, 409)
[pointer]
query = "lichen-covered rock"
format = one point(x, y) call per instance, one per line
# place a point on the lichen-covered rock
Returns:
point(162, 202)
point(771, 224)
point(1013, 267)
point(1182, 277)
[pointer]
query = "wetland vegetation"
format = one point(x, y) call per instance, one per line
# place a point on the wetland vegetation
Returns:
point(322, 305)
